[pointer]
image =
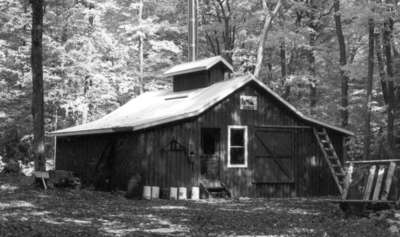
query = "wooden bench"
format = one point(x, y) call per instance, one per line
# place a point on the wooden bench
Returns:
point(43, 176)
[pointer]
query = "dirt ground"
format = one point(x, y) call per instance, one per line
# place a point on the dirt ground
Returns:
point(27, 211)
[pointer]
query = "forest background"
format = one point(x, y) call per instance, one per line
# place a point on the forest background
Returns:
point(337, 61)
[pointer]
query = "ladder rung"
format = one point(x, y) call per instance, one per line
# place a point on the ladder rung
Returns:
point(340, 174)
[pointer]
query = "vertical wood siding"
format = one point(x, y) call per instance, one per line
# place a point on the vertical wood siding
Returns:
point(147, 151)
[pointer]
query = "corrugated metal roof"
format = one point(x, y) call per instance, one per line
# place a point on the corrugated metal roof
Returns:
point(156, 108)
point(195, 66)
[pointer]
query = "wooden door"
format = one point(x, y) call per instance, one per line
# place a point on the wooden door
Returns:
point(273, 153)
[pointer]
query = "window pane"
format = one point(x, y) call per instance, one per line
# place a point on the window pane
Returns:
point(237, 137)
point(237, 156)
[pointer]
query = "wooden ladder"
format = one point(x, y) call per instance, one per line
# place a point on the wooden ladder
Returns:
point(331, 158)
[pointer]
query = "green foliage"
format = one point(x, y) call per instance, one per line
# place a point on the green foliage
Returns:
point(91, 54)
point(90, 58)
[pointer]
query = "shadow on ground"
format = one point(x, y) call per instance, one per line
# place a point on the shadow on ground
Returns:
point(26, 211)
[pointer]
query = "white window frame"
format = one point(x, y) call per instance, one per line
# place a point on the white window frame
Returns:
point(245, 146)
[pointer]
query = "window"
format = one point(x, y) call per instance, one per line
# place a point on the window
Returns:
point(237, 146)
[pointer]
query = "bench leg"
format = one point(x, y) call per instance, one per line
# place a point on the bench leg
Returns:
point(44, 184)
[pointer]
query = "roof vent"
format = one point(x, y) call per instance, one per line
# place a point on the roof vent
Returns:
point(176, 97)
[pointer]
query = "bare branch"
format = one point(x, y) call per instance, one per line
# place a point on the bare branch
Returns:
point(267, 26)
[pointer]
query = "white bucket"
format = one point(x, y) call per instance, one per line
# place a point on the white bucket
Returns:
point(173, 193)
point(195, 193)
point(182, 193)
point(147, 192)
point(155, 192)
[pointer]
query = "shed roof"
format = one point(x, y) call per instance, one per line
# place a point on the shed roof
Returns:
point(199, 65)
point(160, 107)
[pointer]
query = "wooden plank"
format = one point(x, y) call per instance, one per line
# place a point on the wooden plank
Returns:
point(367, 191)
point(372, 161)
point(378, 184)
point(388, 182)
point(41, 174)
point(359, 201)
point(347, 181)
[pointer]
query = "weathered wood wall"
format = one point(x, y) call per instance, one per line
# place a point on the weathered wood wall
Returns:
point(312, 176)
point(148, 151)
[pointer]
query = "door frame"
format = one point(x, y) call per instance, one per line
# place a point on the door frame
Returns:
point(207, 157)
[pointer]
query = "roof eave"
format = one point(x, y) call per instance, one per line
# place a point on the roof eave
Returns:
point(302, 116)
point(90, 132)
point(338, 129)
point(196, 69)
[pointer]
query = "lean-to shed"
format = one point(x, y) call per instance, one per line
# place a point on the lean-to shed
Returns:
point(207, 131)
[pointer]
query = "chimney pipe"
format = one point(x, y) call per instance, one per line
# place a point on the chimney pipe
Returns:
point(192, 30)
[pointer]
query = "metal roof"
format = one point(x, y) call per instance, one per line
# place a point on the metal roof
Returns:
point(160, 107)
point(195, 66)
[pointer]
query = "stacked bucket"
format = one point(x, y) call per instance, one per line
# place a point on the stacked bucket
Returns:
point(175, 193)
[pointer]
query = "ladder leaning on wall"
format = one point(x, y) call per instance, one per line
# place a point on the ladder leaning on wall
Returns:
point(331, 158)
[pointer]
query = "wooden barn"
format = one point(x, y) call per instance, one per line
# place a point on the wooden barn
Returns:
point(209, 132)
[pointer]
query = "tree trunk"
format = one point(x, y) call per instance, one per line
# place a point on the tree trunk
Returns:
point(37, 82)
point(387, 34)
point(311, 69)
point(267, 26)
point(368, 99)
point(343, 61)
point(286, 93)
point(141, 41)
point(381, 66)
point(220, 43)
point(313, 23)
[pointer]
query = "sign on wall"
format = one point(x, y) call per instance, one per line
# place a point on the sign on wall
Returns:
point(248, 102)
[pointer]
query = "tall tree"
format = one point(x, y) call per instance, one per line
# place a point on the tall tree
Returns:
point(314, 25)
point(368, 99)
point(269, 17)
point(282, 49)
point(141, 42)
point(342, 62)
point(387, 35)
point(380, 62)
point(37, 82)
point(220, 33)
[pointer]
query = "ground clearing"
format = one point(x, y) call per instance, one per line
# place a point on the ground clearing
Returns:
point(27, 211)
